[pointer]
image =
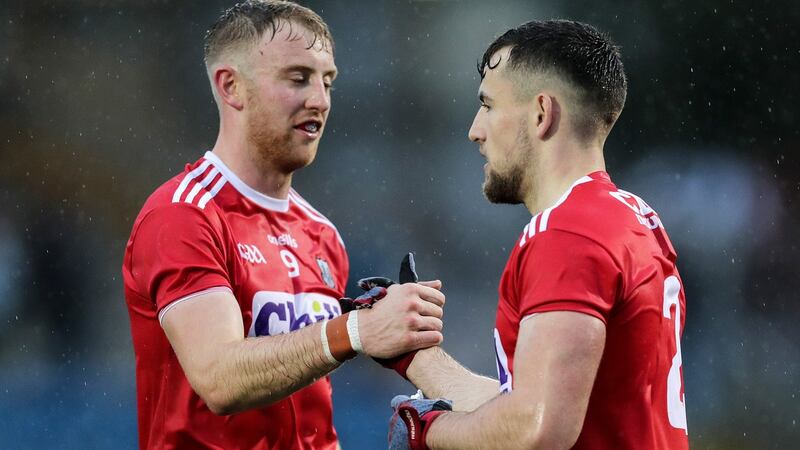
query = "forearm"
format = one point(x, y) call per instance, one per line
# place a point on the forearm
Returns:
point(257, 371)
point(504, 422)
point(440, 376)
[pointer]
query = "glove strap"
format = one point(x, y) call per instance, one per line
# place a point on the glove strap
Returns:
point(417, 426)
point(337, 342)
point(399, 363)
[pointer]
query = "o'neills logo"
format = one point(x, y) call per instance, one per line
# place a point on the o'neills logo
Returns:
point(412, 428)
point(285, 239)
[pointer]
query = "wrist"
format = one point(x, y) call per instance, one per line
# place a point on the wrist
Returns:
point(429, 418)
point(418, 426)
point(340, 338)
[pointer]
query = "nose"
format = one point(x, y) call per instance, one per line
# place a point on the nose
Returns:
point(476, 132)
point(319, 98)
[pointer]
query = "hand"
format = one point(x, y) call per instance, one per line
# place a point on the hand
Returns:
point(375, 287)
point(407, 319)
point(412, 419)
point(419, 317)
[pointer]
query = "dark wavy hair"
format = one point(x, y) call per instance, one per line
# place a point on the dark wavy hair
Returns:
point(574, 52)
point(245, 23)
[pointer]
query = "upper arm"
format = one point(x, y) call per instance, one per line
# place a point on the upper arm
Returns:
point(555, 364)
point(176, 251)
point(199, 328)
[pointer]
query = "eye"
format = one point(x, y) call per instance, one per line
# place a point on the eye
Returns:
point(484, 105)
point(298, 78)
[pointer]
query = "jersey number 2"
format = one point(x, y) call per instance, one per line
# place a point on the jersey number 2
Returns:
point(676, 404)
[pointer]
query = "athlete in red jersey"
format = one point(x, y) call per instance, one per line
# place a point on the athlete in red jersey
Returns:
point(591, 306)
point(232, 279)
point(205, 231)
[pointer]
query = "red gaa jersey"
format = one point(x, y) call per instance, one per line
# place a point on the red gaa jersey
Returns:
point(285, 263)
point(604, 252)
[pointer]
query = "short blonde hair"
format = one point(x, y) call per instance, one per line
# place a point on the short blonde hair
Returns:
point(245, 23)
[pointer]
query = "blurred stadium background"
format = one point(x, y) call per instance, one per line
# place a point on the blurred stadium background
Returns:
point(104, 100)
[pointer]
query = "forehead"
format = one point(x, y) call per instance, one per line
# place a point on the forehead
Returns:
point(495, 78)
point(293, 45)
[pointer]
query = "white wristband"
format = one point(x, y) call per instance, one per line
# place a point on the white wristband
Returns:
point(352, 332)
point(326, 348)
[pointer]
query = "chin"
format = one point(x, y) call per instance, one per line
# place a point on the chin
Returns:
point(506, 190)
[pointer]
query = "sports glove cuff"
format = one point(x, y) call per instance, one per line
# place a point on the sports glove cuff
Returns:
point(417, 426)
point(399, 363)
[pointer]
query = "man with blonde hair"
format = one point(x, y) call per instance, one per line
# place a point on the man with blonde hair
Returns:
point(232, 279)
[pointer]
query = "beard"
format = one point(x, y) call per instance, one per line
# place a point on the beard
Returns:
point(507, 187)
point(503, 188)
point(275, 146)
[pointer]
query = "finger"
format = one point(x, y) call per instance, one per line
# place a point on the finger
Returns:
point(430, 294)
point(430, 323)
point(428, 309)
point(425, 339)
point(436, 284)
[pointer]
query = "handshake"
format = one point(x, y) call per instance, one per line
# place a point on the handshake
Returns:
point(408, 319)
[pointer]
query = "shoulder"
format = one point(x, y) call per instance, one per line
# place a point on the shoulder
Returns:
point(312, 215)
point(592, 208)
point(184, 199)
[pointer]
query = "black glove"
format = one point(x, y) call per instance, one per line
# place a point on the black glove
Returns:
point(375, 288)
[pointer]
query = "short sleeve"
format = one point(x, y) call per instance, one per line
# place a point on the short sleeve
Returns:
point(177, 251)
point(563, 271)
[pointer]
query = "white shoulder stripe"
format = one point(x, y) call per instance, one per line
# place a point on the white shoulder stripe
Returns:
point(210, 194)
point(529, 231)
point(202, 184)
point(312, 213)
point(176, 197)
point(546, 212)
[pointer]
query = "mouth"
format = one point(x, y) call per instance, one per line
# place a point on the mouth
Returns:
point(310, 128)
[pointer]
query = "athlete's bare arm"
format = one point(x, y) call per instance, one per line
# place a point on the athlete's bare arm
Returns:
point(232, 373)
point(555, 364)
point(438, 375)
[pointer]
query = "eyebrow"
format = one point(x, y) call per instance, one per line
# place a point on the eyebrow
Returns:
point(308, 70)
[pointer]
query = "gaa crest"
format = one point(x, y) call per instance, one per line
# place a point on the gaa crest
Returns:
point(325, 271)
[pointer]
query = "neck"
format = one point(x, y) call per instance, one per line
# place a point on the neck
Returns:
point(246, 161)
point(560, 166)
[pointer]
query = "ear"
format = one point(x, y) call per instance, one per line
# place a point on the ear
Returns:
point(228, 84)
point(548, 115)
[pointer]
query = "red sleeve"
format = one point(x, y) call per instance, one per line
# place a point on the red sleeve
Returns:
point(178, 251)
point(344, 269)
point(563, 271)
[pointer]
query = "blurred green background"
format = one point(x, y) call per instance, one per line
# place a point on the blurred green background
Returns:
point(102, 101)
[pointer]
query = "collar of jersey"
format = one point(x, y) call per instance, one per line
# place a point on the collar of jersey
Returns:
point(584, 179)
point(264, 201)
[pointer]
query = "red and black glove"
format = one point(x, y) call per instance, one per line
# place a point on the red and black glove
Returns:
point(412, 419)
point(375, 288)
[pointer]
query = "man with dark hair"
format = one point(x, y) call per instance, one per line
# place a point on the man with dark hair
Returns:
point(232, 278)
point(591, 306)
